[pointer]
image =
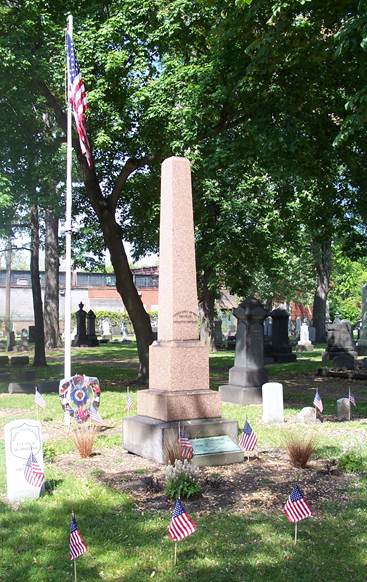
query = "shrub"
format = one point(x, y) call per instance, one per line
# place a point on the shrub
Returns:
point(83, 438)
point(49, 453)
point(300, 450)
point(182, 480)
point(352, 462)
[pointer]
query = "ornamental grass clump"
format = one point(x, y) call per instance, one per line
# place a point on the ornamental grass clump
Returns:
point(300, 450)
point(83, 437)
point(182, 480)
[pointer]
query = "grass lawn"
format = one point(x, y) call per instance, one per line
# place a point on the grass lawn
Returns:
point(128, 543)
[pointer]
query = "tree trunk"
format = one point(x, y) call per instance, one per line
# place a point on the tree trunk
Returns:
point(39, 345)
point(51, 300)
point(127, 290)
point(322, 262)
point(207, 316)
point(8, 257)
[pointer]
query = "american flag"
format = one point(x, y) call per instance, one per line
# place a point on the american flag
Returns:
point(78, 99)
point(77, 545)
point(296, 507)
point(248, 438)
point(181, 525)
point(33, 473)
point(129, 401)
point(317, 402)
point(94, 415)
point(185, 445)
point(352, 400)
point(38, 398)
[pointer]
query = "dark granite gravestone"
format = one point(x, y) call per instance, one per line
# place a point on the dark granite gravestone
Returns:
point(81, 327)
point(248, 373)
point(91, 329)
point(362, 340)
point(11, 341)
point(218, 334)
point(339, 341)
point(281, 350)
point(31, 334)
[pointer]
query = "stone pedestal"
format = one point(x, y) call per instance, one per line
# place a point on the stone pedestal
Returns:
point(248, 373)
point(178, 362)
point(281, 351)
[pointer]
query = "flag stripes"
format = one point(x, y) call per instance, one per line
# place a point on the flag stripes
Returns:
point(248, 438)
point(77, 545)
point(181, 525)
point(33, 473)
point(296, 507)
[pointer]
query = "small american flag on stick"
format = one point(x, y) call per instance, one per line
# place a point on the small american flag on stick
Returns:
point(78, 98)
point(77, 545)
point(39, 399)
point(95, 416)
point(248, 438)
point(185, 445)
point(317, 402)
point(33, 473)
point(296, 507)
point(181, 525)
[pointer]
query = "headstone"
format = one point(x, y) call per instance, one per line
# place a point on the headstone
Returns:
point(11, 341)
point(19, 361)
point(307, 415)
point(123, 332)
point(272, 397)
point(81, 327)
point(21, 436)
point(304, 343)
point(362, 341)
point(281, 350)
point(91, 329)
point(343, 409)
point(248, 373)
point(218, 335)
point(344, 361)
point(31, 334)
point(339, 341)
point(106, 330)
point(24, 339)
point(267, 326)
point(178, 363)
point(312, 334)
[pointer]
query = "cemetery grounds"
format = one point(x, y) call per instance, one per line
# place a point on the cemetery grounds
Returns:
point(242, 534)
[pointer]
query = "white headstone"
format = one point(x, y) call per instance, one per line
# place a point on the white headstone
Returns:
point(304, 336)
point(273, 410)
point(106, 330)
point(21, 436)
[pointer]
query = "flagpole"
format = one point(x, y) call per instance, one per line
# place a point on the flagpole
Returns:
point(295, 533)
point(75, 580)
point(68, 209)
point(35, 403)
point(350, 406)
point(175, 555)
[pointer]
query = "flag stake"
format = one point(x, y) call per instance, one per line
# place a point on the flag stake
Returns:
point(350, 407)
point(295, 533)
point(74, 570)
point(175, 555)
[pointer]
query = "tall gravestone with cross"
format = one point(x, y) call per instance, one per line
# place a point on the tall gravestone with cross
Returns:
point(178, 363)
point(248, 373)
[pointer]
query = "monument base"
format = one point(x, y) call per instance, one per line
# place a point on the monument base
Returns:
point(151, 438)
point(362, 347)
point(170, 405)
point(283, 358)
point(304, 347)
point(240, 394)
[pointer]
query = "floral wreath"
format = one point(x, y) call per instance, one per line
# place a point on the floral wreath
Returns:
point(78, 395)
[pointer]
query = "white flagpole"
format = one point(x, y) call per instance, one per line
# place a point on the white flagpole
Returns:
point(69, 158)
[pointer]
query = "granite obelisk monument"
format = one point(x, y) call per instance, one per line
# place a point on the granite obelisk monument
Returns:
point(178, 361)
